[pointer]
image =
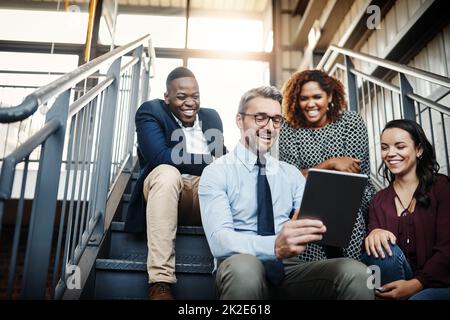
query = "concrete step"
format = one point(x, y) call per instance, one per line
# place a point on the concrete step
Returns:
point(194, 230)
point(125, 284)
point(122, 214)
point(133, 180)
point(138, 262)
point(123, 274)
point(127, 279)
point(190, 241)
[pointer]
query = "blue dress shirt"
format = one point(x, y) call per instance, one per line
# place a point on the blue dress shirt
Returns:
point(227, 195)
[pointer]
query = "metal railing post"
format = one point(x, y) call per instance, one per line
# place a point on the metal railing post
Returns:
point(351, 85)
point(43, 213)
point(145, 85)
point(105, 146)
point(134, 105)
point(407, 103)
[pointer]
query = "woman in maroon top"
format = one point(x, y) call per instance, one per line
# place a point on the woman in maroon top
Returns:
point(409, 221)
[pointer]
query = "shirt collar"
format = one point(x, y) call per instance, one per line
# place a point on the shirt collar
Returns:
point(248, 158)
point(195, 126)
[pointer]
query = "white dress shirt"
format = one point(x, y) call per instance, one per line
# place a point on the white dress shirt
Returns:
point(195, 140)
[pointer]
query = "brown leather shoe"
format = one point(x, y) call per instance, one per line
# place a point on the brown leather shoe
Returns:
point(160, 291)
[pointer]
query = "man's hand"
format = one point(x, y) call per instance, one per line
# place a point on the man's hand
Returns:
point(296, 234)
point(400, 289)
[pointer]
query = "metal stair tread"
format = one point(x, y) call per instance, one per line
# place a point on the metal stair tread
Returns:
point(133, 265)
point(192, 230)
point(139, 256)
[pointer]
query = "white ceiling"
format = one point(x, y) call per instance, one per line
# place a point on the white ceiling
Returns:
point(247, 6)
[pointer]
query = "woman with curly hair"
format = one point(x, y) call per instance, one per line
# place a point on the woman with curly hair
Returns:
point(409, 221)
point(320, 133)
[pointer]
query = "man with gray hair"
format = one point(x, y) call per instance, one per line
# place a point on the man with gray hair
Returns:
point(247, 198)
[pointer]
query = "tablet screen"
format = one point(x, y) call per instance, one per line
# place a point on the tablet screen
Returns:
point(333, 197)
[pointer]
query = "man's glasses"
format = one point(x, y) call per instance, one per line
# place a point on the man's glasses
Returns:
point(262, 119)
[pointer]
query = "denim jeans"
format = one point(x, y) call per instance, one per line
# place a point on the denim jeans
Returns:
point(432, 294)
point(396, 267)
point(392, 268)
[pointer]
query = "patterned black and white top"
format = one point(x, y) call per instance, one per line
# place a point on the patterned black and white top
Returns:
point(305, 148)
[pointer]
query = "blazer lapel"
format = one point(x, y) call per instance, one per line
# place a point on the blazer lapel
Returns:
point(172, 126)
point(170, 116)
point(206, 125)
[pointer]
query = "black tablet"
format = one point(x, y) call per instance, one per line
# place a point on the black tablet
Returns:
point(333, 197)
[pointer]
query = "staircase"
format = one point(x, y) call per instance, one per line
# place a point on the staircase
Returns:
point(68, 227)
point(76, 230)
point(121, 269)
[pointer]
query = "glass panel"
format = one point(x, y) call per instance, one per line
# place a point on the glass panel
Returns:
point(43, 26)
point(14, 87)
point(38, 62)
point(166, 31)
point(19, 61)
point(219, 88)
point(226, 34)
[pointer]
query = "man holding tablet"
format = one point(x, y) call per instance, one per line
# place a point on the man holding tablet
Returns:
point(246, 199)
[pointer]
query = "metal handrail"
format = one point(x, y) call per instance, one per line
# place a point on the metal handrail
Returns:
point(89, 96)
point(417, 73)
point(98, 149)
point(44, 73)
point(24, 150)
point(43, 94)
point(375, 80)
point(434, 105)
point(379, 101)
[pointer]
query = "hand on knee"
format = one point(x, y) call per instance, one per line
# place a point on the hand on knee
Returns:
point(379, 243)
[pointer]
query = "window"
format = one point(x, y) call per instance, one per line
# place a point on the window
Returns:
point(225, 34)
point(162, 69)
point(223, 82)
point(43, 26)
point(15, 87)
point(166, 31)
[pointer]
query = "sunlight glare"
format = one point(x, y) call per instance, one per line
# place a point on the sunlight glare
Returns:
point(225, 34)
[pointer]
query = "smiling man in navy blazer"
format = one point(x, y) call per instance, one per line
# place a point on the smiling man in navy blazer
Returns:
point(176, 141)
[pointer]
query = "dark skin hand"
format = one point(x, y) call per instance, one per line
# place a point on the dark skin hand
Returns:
point(344, 164)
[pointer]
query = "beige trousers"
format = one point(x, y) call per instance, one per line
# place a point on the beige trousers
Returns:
point(171, 200)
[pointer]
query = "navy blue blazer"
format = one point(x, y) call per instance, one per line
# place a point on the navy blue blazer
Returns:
point(158, 144)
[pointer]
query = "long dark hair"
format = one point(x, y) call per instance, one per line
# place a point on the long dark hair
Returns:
point(427, 166)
